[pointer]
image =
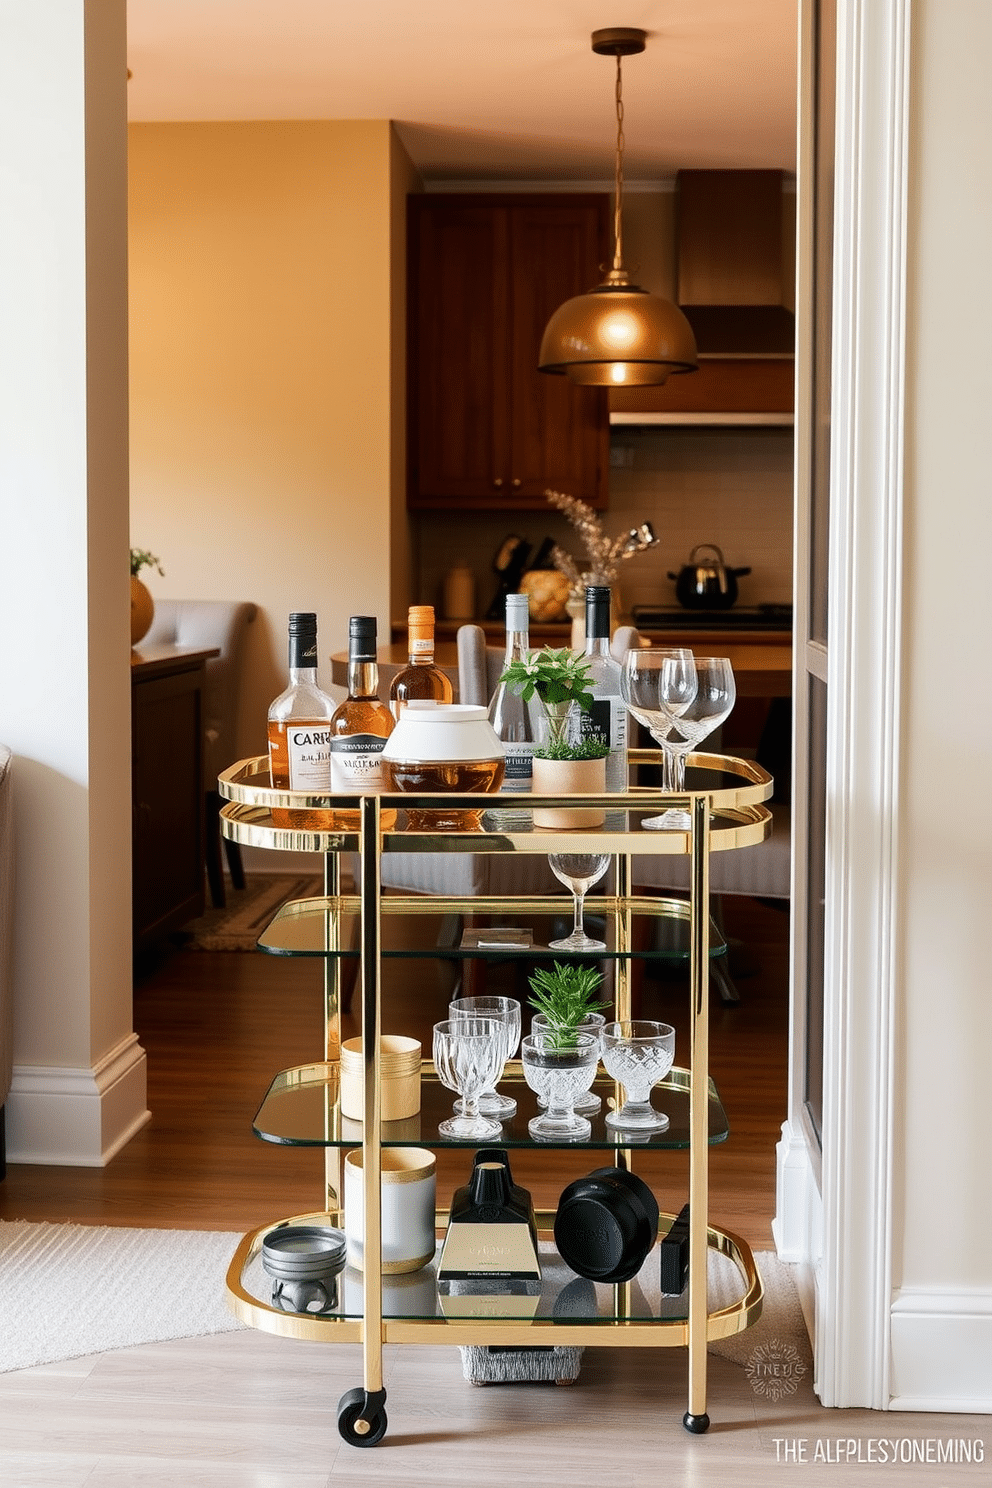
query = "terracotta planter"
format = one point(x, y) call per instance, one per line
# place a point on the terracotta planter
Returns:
point(569, 778)
point(142, 610)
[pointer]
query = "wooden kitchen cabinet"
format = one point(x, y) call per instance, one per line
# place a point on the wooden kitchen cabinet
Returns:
point(486, 430)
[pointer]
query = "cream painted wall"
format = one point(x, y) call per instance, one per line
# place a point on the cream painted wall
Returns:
point(266, 394)
point(944, 1201)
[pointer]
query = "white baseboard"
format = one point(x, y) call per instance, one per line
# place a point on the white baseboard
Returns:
point(798, 1224)
point(77, 1117)
point(941, 1351)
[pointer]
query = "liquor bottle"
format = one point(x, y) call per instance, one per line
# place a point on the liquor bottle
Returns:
point(515, 721)
point(420, 680)
point(489, 1265)
point(607, 718)
point(360, 726)
point(299, 728)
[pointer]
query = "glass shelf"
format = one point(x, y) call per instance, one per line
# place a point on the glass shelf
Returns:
point(560, 1296)
point(308, 927)
point(302, 1109)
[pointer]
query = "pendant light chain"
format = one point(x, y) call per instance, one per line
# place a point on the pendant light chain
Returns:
point(618, 205)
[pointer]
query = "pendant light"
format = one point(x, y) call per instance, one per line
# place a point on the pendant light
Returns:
point(618, 335)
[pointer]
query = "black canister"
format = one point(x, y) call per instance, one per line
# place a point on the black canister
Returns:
point(606, 1225)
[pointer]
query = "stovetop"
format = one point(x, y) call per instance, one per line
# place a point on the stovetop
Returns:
point(738, 617)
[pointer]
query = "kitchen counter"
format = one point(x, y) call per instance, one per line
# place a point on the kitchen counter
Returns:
point(762, 661)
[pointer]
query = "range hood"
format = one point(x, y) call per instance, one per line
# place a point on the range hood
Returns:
point(733, 274)
point(733, 279)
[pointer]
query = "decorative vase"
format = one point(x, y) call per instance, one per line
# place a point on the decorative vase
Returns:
point(142, 610)
point(569, 778)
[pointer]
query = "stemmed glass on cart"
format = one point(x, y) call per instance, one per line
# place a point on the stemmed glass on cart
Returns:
point(468, 1057)
point(506, 1012)
point(578, 872)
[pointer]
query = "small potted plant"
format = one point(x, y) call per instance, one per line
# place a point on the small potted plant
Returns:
point(560, 681)
point(565, 997)
point(142, 604)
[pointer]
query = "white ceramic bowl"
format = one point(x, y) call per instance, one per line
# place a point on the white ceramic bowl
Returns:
point(442, 732)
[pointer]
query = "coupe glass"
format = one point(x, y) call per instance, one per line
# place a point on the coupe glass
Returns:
point(644, 674)
point(560, 1076)
point(588, 1104)
point(638, 1053)
point(506, 1012)
point(468, 1057)
point(578, 872)
point(692, 722)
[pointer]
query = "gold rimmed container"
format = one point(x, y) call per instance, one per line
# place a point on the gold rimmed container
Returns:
point(399, 1062)
point(408, 1186)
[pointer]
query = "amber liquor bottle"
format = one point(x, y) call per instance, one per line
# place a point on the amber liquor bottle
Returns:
point(299, 729)
point(360, 726)
point(420, 680)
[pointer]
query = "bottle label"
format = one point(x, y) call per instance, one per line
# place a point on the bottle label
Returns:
point(422, 646)
point(519, 770)
point(606, 721)
point(356, 765)
point(308, 746)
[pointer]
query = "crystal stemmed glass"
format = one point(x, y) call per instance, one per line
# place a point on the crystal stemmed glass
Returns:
point(560, 1075)
point(468, 1059)
point(644, 671)
point(588, 1104)
point(506, 1011)
point(638, 1053)
point(578, 872)
point(712, 702)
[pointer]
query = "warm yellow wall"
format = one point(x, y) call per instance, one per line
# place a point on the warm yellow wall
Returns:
point(264, 389)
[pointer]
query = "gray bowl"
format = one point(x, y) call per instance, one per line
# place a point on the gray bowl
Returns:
point(303, 1252)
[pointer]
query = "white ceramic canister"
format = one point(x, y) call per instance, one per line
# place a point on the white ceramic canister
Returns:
point(399, 1064)
point(407, 1212)
point(443, 747)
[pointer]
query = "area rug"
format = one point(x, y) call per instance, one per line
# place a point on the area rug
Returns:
point(248, 911)
point(68, 1290)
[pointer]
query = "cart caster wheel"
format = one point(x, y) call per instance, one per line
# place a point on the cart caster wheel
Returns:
point(362, 1417)
point(696, 1424)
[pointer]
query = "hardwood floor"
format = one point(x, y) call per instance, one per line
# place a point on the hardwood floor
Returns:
point(217, 1026)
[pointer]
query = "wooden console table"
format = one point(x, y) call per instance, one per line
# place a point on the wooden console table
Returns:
point(167, 835)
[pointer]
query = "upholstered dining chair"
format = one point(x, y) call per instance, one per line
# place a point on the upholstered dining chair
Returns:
point(208, 623)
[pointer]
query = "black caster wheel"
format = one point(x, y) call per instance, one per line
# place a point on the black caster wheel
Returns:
point(696, 1424)
point(362, 1417)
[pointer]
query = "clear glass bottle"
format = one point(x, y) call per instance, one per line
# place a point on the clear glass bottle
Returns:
point(420, 681)
point(299, 728)
point(607, 718)
point(360, 726)
point(515, 722)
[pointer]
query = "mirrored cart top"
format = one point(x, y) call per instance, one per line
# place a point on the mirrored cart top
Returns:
point(302, 1108)
point(734, 788)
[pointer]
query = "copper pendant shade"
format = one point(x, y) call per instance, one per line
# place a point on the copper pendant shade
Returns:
point(618, 335)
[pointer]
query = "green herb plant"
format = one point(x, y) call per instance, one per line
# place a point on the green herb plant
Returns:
point(566, 996)
point(141, 558)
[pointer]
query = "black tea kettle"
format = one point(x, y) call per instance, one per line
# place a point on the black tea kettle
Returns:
point(707, 583)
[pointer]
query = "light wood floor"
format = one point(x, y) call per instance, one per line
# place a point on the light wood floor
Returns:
point(246, 1410)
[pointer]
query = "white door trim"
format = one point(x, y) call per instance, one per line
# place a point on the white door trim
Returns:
point(864, 675)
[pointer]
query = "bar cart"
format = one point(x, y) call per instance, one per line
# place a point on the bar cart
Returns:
point(724, 801)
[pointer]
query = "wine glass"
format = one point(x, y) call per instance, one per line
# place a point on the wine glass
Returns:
point(640, 686)
point(578, 872)
point(712, 702)
point(506, 1011)
point(588, 1104)
point(638, 1053)
point(560, 1070)
point(468, 1057)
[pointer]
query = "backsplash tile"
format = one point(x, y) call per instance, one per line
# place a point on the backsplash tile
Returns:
point(732, 487)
